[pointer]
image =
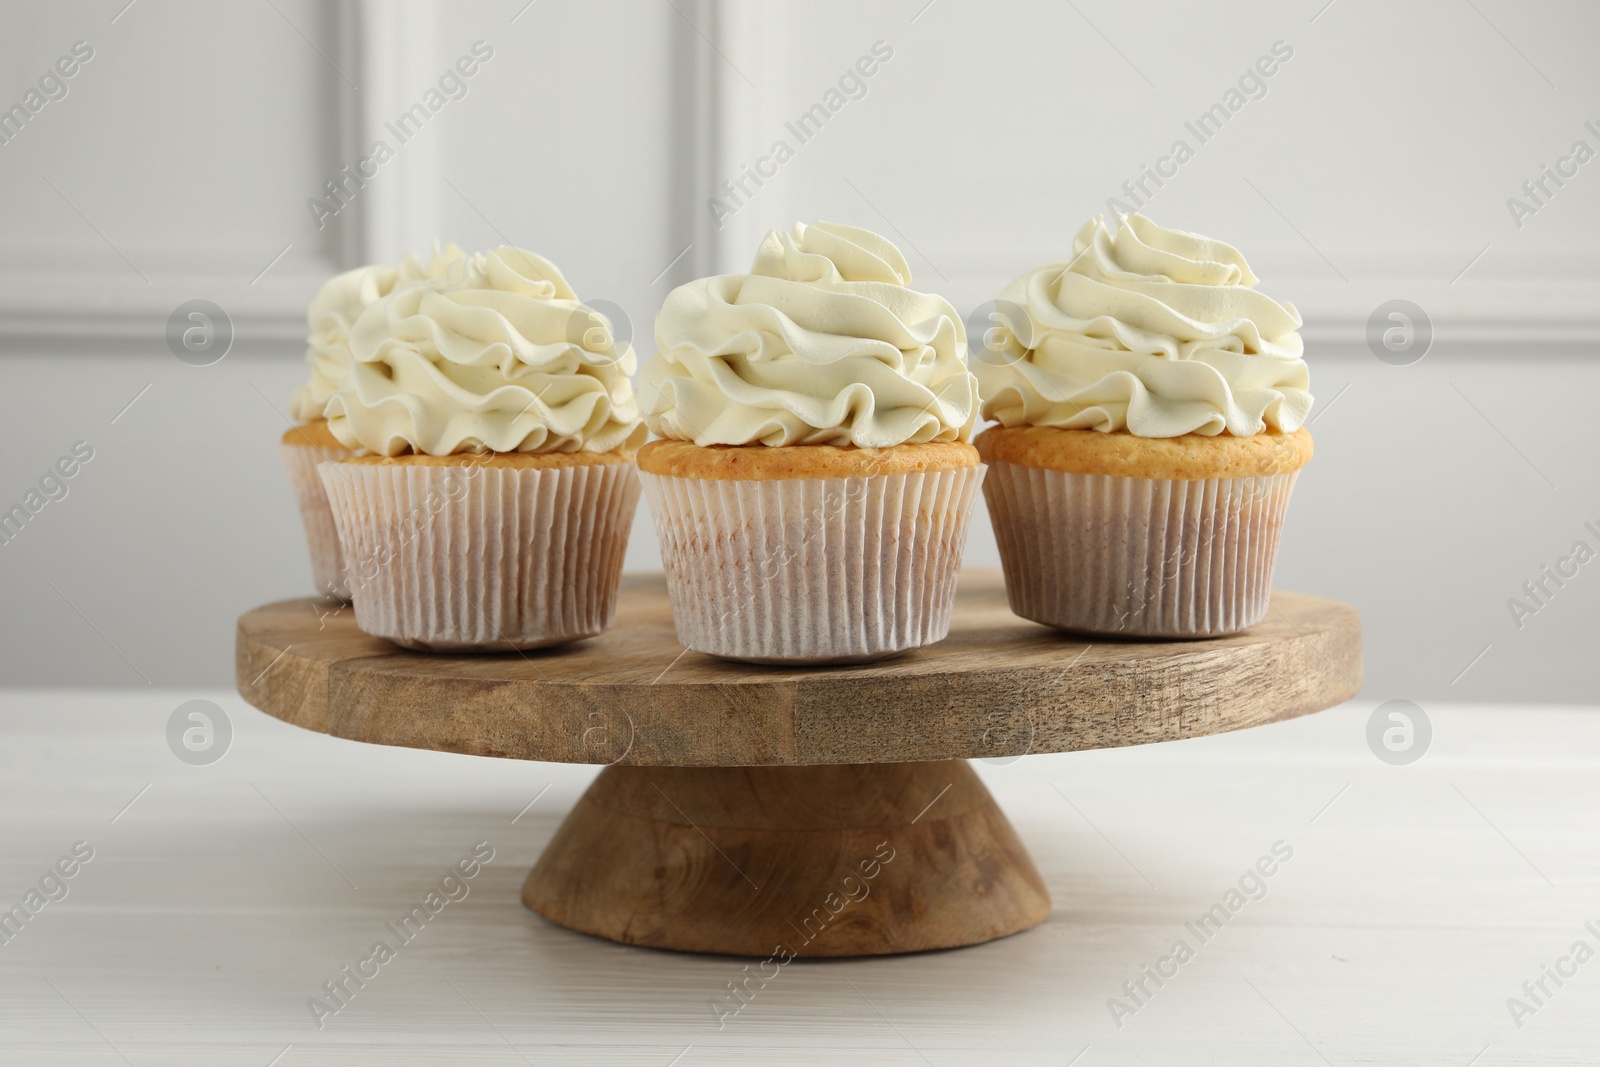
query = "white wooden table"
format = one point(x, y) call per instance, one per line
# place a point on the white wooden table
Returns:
point(221, 898)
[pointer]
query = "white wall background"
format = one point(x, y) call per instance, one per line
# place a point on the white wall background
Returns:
point(1376, 166)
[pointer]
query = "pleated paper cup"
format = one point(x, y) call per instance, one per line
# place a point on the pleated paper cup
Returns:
point(812, 570)
point(1137, 557)
point(322, 537)
point(472, 557)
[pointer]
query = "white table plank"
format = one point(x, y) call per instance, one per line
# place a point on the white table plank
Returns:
point(1414, 905)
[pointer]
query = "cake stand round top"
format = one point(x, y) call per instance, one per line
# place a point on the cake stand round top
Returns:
point(998, 686)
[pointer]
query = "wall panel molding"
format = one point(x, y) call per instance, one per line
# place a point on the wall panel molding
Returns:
point(49, 298)
point(730, 111)
point(737, 89)
point(1555, 304)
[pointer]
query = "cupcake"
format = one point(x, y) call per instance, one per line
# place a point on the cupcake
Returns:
point(309, 442)
point(816, 476)
point(1151, 407)
point(492, 487)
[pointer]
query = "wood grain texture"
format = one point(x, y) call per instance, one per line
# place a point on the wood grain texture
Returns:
point(998, 686)
point(789, 862)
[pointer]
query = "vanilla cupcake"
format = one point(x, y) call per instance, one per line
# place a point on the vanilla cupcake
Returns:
point(813, 491)
point(333, 311)
point(1150, 406)
point(493, 487)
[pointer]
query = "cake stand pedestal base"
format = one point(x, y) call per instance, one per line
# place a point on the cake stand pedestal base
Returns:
point(841, 860)
point(819, 811)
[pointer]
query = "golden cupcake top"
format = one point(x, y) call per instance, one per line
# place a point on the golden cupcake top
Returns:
point(1188, 457)
point(684, 459)
point(823, 342)
point(1151, 331)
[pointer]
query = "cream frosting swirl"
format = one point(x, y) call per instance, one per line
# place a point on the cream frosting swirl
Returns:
point(335, 308)
point(497, 354)
point(1153, 331)
point(823, 342)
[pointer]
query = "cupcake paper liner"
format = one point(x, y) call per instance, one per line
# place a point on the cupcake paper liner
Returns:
point(1137, 557)
point(322, 537)
point(812, 570)
point(481, 558)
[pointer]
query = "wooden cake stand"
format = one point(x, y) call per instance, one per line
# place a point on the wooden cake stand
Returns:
point(820, 811)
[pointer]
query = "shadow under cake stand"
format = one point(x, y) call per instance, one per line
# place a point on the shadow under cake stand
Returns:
point(828, 810)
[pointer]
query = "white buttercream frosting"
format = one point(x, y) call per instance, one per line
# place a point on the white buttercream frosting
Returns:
point(823, 342)
point(1153, 331)
point(496, 354)
point(335, 308)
